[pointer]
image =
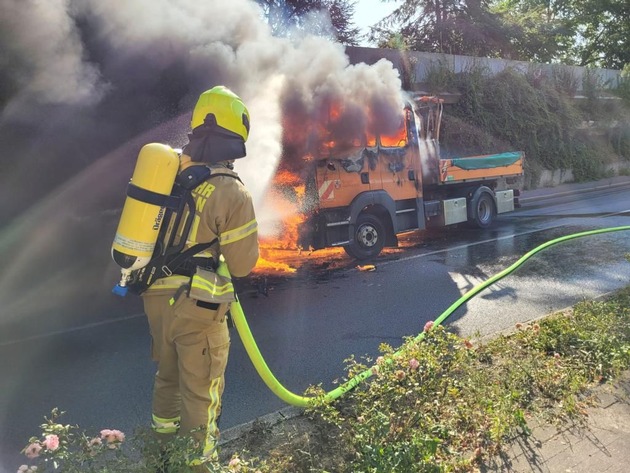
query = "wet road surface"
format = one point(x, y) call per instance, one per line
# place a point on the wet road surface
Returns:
point(89, 354)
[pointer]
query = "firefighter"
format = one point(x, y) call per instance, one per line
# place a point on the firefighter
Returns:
point(190, 338)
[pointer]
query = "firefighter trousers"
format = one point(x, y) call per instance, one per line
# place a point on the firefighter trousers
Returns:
point(190, 345)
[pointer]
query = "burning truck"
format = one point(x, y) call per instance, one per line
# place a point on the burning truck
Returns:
point(360, 190)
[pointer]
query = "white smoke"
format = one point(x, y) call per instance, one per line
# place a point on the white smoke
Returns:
point(208, 43)
point(264, 146)
point(42, 51)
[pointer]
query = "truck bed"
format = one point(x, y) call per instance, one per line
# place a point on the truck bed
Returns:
point(481, 167)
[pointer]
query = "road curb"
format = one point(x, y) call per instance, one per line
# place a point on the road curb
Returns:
point(269, 420)
point(552, 195)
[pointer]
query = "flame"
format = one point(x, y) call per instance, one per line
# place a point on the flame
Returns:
point(327, 132)
point(286, 177)
point(335, 111)
point(366, 267)
point(397, 138)
point(284, 199)
point(264, 266)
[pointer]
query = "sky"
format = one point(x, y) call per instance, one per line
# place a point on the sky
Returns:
point(369, 12)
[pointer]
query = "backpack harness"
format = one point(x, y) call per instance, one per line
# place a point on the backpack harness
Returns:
point(169, 258)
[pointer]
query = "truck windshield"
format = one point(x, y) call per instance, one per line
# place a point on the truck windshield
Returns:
point(396, 139)
point(342, 144)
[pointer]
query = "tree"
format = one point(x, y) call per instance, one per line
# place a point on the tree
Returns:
point(581, 32)
point(341, 13)
point(283, 16)
point(603, 33)
point(542, 30)
point(447, 26)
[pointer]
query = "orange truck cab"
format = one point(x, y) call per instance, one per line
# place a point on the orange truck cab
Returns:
point(365, 192)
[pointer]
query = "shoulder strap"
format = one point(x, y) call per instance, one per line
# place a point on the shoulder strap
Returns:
point(173, 264)
point(164, 264)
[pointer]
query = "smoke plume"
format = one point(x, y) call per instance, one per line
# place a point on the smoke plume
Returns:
point(146, 61)
point(84, 83)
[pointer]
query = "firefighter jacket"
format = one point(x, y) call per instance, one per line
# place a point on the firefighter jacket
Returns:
point(223, 210)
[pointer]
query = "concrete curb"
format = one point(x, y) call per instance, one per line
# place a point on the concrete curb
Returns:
point(271, 419)
point(550, 194)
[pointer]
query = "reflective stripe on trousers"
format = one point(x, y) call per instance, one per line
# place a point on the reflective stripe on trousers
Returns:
point(191, 346)
point(165, 426)
point(212, 430)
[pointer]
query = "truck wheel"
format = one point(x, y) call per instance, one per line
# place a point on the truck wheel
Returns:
point(482, 210)
point(369, 238)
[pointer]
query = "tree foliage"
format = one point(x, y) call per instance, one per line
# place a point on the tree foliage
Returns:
point(447, 26)
point(603, 33)
point(581, 32)
point(543, 30)
point(285, 16)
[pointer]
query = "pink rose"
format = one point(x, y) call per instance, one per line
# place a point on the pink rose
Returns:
point(32, 451)
point(235, 464)
point(112, 436)
point(400, 375)
point(414, 364)
point(94, 445)
point(118, 435)
point(51, 442)
point(428, 326)
point(25, 469)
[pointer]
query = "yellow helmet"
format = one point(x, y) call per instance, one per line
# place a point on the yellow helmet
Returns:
point(228, 110)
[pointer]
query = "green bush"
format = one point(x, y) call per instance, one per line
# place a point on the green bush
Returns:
point(443, 404)
point(68, 448)
point(534, 112)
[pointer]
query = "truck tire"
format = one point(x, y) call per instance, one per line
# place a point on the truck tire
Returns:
point(368, 239)
point(482, 210)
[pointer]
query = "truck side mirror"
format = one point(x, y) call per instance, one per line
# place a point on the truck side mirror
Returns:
point(411, 175)
point(331, 166)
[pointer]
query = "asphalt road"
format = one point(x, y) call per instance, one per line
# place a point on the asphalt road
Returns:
point(88, 353)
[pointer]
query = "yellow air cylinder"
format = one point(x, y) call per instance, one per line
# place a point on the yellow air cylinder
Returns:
point(140, 221)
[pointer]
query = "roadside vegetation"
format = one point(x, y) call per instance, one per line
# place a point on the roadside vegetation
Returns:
point(536, 112)
point(448, 404)
point(440, 404)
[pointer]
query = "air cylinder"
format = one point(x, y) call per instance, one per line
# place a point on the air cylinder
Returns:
point(151, 184)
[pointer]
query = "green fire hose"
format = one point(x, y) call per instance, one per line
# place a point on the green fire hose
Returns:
point(301, 401)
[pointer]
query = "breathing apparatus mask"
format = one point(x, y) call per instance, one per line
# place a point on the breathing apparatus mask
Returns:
point(211, 143)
